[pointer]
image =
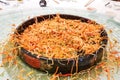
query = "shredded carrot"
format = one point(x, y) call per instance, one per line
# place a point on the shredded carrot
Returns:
point(108, 73)
point(28, 74)
point(54, 77)
point(56, 70)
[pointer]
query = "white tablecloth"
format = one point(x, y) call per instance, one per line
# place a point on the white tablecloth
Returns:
point(96, 5)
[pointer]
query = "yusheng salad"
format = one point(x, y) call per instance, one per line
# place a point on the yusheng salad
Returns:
point(61, 38)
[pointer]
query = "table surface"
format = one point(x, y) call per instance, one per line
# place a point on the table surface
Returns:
point(96, 6)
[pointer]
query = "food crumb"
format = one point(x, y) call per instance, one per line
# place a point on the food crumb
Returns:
point(0, 8)
point(14, 25)
point(28, 17)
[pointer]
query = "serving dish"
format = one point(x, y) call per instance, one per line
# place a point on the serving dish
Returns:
point(62, 66)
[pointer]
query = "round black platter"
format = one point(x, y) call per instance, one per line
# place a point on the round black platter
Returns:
point(63, 66)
